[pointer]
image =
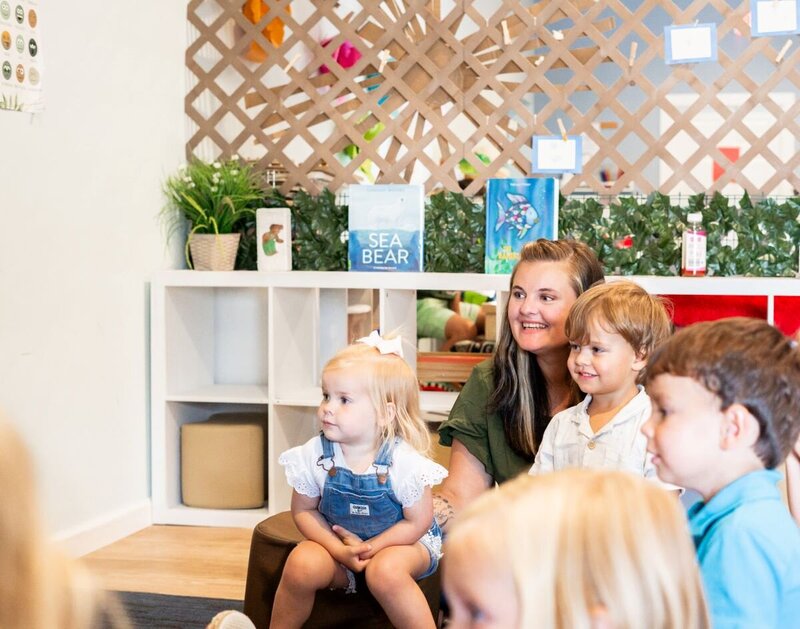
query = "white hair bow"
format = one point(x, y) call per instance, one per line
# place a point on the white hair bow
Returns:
point(384, 346)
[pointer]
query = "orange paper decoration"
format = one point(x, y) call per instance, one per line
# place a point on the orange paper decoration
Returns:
point(254, 10)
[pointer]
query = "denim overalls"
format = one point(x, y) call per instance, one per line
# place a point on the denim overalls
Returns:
point(365, 504)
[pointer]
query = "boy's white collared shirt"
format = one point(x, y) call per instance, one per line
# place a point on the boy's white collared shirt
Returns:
point(569, 440)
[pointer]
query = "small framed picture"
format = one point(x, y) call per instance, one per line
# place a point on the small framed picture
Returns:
point(774, 17)
point(553, 154)
point(274, 238)
point(694, 43)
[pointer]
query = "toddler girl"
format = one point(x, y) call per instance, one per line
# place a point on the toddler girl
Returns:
point(362, 490)
point(612, 329)
point(577, 548)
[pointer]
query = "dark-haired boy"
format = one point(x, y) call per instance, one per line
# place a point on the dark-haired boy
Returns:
point(726, 412)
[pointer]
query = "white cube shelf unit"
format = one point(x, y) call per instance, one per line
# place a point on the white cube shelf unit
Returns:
point(251, 341)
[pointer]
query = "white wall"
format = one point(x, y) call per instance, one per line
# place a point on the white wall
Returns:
point(79, 239)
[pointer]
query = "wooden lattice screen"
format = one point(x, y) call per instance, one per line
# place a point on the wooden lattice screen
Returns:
point(420, 88)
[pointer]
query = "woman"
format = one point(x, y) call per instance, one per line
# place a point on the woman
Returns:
point(500, 415)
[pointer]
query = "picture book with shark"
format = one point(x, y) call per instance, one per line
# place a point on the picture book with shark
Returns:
point(518, 211)
point(385, 225)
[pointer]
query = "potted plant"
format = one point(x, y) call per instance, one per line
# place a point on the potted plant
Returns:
point(218, 200)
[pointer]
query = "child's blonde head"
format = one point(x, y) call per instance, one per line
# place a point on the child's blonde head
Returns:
point(579, 541)
point(389, 380)
point(623, 308)
point(39, 587)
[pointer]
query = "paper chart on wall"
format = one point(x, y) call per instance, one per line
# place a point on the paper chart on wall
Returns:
point(20, 56)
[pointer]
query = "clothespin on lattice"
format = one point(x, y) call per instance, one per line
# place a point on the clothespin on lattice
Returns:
point(562, 129)
point(384, 55)
point(632, 54)
point(291, 63)
point(632, 59)
point(783, 51)
point(506, 33)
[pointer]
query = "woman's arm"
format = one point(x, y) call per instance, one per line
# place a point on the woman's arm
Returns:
point(312, 524)
point(793, 481)
point(467, 479)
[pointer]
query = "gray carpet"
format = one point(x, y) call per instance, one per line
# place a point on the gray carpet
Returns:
point(160, 611)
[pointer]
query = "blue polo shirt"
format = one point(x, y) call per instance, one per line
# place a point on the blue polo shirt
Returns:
point(748, 547)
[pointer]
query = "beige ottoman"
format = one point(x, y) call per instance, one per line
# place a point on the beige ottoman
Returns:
point(222, 462)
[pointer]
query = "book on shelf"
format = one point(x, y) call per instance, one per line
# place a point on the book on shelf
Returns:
point(518, 210)
point(385, 227)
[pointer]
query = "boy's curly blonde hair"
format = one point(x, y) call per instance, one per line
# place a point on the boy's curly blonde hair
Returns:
point(624, 308)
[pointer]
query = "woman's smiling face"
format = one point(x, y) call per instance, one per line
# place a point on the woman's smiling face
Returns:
point(538, 304)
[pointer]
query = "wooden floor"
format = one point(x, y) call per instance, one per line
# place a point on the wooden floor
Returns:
point(183, 560)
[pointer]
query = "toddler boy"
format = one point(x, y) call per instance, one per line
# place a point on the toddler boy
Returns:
point(726, 412)
point(612, 329)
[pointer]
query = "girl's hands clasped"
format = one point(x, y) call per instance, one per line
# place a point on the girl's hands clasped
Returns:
point(357, 551)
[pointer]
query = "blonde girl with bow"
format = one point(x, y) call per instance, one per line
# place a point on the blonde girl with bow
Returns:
point(362, 490)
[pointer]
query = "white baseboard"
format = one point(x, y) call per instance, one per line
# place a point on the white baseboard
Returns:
point(105, 530)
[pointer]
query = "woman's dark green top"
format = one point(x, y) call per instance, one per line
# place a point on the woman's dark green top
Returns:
point(480, 431)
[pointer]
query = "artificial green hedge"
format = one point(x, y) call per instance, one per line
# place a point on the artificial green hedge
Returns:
point(768, 234)
point(631, 236)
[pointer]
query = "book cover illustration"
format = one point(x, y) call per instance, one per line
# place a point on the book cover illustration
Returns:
point(274, 232)
point(385, 225)
point(518, 211)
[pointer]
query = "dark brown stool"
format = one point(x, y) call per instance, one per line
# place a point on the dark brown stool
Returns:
point(273, 540)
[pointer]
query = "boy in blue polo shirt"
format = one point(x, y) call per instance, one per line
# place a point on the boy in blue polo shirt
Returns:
point(726, 413)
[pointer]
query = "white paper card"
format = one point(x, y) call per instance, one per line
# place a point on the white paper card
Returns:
point(690, 44)
point(274, 238)
point(551, 154)
point(774, 17)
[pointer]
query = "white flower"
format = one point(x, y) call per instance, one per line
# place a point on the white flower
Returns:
point(731, 239)
point(234, 158)
point(214, 188)
point(344, 236)
point(235, 171)
point(217, 165)
point(186, 178)
point(192, 185)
